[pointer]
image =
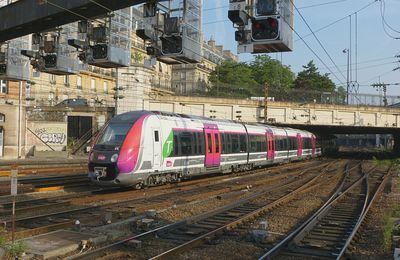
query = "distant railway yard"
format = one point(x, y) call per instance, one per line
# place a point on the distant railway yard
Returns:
point(321, 209)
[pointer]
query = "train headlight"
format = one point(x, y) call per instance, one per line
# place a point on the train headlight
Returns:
point(114, 158)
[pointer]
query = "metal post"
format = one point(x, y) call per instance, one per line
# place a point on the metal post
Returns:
point(19, 119)
point(116, 93)
point(266, 102)
point(348, 76)
point(14, 183)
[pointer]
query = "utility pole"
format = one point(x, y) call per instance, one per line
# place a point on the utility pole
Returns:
point(383, 87)
point(266, 102)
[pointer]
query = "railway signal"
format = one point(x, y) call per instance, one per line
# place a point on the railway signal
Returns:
point(265, 29)
point(262, 25)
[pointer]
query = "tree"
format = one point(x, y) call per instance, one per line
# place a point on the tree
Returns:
point(265, 69)
point(232, 79)
point(311, 79)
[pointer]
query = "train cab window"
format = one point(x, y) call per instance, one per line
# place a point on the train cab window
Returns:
point(216, 143)
point(156, 137)
point(209, 141)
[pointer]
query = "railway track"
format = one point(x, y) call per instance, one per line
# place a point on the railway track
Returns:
point(328, 233)
point(194, 231)
point(53, 214)
point(45, 183)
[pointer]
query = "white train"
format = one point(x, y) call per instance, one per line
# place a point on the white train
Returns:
point(144, 148)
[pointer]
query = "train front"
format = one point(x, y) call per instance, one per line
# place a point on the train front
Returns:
point(114, 156)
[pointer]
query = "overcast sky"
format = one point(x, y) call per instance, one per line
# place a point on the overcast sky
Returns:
point(376, 48)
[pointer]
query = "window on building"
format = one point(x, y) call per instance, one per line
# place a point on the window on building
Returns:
point(66, 80)
point(183, 75)
point(79, 82)
point(52, 78)
point(105, 87)
point(2, 118)
point(3, 86)
point(93, 85)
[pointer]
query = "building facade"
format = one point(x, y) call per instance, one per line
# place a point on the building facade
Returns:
point(192, 79)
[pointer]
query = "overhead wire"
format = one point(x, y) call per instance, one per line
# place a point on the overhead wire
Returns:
point(383, 10)
point(319, 42)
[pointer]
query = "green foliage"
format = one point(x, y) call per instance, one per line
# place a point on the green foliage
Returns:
point(12, 250)
point(311, 79)
point(232, 79)
point(136, 57)
point(266, 69)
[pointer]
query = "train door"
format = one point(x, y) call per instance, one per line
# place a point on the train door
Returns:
point(299, 145)
point(313, 145)
point(270, 145)
point(156, 148)
point(213, 146)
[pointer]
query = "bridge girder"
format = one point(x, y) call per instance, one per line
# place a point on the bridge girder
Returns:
point(28, 16)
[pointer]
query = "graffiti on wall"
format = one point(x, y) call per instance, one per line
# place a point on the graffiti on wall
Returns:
point(51, 135)
point(46, 136)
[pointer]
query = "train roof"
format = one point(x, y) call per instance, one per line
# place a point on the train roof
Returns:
point(132, 116)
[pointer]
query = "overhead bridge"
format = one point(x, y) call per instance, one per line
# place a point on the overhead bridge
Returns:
point(24, 17)
point(323, 119)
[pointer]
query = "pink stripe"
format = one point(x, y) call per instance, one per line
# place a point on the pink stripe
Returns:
point(129, 153)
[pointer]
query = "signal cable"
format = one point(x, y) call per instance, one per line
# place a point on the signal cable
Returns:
point(384, 23)
point(339, 20)
point(320, 43)
point(327, 3)
point(308, 46)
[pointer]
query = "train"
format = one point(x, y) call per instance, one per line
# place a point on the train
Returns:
point(147, 148)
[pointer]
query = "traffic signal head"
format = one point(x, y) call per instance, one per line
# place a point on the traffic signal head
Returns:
point(171, 45)
point(265, 29)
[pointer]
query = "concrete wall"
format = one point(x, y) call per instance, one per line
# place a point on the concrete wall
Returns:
point(13, 140)
point(47, 136)
point(279, 112)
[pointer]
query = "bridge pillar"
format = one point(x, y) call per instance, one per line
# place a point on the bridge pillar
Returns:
point(396, 147)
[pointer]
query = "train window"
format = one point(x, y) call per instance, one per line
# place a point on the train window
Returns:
point(186, 143)
point(201, 142)
point(235, 143)
point(216, 143)
point(243, 143)
point(176, 144)
point(253, 143)
point(209, 143)
point(195, 144)
point(156, 137)
point(223, 143)
point(114, 134)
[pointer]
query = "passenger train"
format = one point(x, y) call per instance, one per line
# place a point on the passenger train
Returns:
point(145, 148)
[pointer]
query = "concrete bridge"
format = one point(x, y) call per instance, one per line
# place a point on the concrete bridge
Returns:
point(323, 119)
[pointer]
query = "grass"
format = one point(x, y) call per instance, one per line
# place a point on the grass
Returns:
point(13, 250)
point(388, 221)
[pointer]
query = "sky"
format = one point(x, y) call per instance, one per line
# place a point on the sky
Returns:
point(375, 48)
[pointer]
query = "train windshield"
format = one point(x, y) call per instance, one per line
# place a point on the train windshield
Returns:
point(114, 134)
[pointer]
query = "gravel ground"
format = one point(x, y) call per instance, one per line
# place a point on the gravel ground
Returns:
point(370, 244)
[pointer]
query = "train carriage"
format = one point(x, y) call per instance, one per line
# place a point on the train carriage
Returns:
point(144, 148)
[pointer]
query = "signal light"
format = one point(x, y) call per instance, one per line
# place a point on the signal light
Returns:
point(171, 45)
point(100, 51)
point(265, 29)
